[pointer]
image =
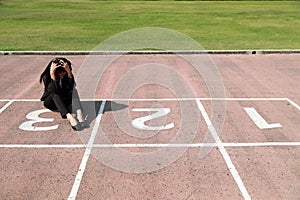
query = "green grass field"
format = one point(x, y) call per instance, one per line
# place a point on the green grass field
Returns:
point(83, 24)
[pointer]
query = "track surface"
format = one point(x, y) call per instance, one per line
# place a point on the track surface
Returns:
point(255, 156)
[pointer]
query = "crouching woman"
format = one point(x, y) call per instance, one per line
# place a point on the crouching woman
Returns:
point(60, 93)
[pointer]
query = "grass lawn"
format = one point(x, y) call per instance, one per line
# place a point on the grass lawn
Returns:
point(83, 24)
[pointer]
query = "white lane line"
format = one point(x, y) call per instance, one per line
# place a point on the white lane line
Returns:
point(42, 146)
point(195, 145)
point(5, 100)
point(261, 144)
point(224, 153)
point(45, 146)
point(168, 99)
point(17, 100)
point(193, 99)
point(86, 155)
point(6, 105)
point(172, 145)
point(293, 103)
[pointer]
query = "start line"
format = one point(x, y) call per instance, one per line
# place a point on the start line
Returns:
point(139, 123)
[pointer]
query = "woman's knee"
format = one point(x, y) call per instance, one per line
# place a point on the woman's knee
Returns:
point(50, 105)
point(55, 96)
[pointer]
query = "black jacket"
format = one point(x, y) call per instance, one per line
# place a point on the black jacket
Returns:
point(53, 87)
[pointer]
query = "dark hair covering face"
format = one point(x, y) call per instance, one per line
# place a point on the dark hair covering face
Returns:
point(45, 76)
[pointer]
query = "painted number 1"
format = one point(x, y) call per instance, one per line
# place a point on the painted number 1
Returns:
point(259, 120)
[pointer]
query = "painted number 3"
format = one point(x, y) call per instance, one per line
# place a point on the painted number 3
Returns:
point(34, 118)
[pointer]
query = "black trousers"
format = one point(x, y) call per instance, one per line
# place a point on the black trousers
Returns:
point(63, 103)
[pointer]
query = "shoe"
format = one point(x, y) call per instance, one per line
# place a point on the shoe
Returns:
point(84, 125)
point(77, 127)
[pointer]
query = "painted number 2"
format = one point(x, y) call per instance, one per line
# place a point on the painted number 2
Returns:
point(139, 123)
point(34, 118)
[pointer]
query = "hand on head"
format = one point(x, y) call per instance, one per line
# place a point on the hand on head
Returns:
point(59, 63)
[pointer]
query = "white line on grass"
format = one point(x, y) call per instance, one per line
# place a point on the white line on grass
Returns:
point(86, 155)
point(223, 151)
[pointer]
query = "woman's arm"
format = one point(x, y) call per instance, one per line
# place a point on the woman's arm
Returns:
point(68, 70)
point(52, 71)
point(70, 75)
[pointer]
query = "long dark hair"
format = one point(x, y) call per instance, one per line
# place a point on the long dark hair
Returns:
point(45, 76)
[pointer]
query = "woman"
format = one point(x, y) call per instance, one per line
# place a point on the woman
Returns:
point(60, 93)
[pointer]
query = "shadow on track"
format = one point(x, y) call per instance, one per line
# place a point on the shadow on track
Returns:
point(91, 108)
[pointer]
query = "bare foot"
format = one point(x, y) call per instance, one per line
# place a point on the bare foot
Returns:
point(80, 115)
point(72, 119)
